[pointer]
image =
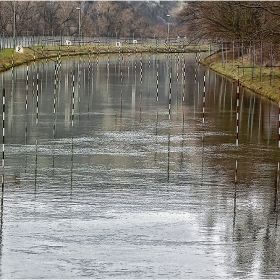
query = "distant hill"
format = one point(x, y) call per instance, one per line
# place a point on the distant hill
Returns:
point(155, 11)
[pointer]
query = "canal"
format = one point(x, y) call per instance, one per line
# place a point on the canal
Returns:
point(126, 166)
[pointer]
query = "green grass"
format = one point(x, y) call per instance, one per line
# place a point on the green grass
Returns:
point(9, 57)
point(260, 80)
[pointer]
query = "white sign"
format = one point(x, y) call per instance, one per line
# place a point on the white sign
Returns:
point(68, 43)
point(19, 49)
point(118, 44)
point(134, 41)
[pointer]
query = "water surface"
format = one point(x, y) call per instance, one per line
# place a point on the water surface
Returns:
point(111, 182)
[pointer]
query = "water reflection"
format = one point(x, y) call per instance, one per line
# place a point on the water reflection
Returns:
point(110, 171)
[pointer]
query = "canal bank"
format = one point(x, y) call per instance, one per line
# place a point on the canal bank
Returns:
point(261, 79)
point(10, 58)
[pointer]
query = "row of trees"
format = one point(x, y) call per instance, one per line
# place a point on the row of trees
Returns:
point(97, 18)
point(232, 20)
point(226, 20)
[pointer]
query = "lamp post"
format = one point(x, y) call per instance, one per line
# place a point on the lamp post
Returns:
point(14, 24)
point(79, 9)
point(168, 29)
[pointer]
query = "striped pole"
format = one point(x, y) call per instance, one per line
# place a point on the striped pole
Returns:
point(279, 124)
point(59, 57)
point(169, 101)
point(89, 67)
point(37, 96)
point(72, 157)
point(184, 79)
point(237, 113)
point(79, 71)
point(121, 104)
point(3, 127)
point(33, 74)
point(141, 69)
point(108, 58)
point(278, 173)
point(157, 78)
point(178, 62)
point(2, 186)
point(73, 97)
point(203, 107)
point(119, 56)
point(235, 175)
point(55, 85)
point(121, 66)
point(12, 66)
point(26, 96)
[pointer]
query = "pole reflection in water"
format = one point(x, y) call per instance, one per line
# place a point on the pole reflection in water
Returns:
point(137, 188)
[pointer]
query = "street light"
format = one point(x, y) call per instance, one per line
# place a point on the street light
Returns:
point(168, 28)
point(79, 9)
point(14, 24)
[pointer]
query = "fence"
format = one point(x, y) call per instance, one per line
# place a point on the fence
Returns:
point(30, 41)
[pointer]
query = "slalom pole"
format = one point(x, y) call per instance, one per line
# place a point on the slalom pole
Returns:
point(3, 130)
point(237, 114)
point(203, 100)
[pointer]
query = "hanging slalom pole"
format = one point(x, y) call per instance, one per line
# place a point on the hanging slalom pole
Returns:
point(279, 124)
point(157, 78)
point(141, 69)
point(3, 130)
point(37, 96)
point(237, 113)
point(55, 87)
point(26, 96)
point(73, 98)
point(169, 101)
point(184, 79)
point(203, 107)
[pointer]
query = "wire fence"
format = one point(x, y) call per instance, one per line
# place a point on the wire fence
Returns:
point(31, 41)
point(253, 59)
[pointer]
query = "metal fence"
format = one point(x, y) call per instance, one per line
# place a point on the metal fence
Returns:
point(30, 41)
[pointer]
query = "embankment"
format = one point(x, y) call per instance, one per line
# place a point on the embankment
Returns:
point(263, 80)
point(10, 58)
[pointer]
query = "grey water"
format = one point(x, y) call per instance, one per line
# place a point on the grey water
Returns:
point(102, 180)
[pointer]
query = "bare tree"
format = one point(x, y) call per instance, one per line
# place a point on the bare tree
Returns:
point(191, 18)
point(6, 16)
point(232, 20)
point(25, 17)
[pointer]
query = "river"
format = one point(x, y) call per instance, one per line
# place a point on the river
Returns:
point(115, 166)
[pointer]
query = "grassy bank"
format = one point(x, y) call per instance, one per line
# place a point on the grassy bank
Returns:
point(10, 58)
point(262, 80)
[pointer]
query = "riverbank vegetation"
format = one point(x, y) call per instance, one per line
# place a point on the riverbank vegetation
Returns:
point(262, 78)
point(10, 58)
point(232, 20)
point(246, 35)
